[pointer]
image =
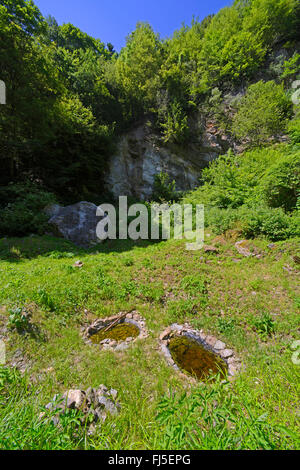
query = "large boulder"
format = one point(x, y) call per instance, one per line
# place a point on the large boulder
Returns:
point(76, 223)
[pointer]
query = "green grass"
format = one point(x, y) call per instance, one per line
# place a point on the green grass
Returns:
point(252, 304)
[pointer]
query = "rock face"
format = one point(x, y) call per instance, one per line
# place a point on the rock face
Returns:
point(141, 155)
point(76, 223)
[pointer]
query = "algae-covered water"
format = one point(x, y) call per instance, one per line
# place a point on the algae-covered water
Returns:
point(193, 358)
point(119, 333)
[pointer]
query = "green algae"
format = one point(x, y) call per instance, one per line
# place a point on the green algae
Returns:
point(119, 333)
point(192, 357)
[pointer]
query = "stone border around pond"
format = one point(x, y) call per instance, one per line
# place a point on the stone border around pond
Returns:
point(109, 344)
point(211, 343)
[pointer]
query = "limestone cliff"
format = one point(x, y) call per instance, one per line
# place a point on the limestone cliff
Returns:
point(141, 155)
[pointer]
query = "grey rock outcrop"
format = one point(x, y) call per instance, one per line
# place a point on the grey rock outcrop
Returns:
point(94, 404)
point(76, 223)
point(141, 155)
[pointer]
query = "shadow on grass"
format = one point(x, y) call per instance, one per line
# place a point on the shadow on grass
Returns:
point(19, 249)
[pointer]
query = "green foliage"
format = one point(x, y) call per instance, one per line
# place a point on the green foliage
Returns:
point(280, 185)
point(294, 129)
point(275, 224)
point(164, 190)
point(23, 429)
point(18, 319)
point(262, 113)
point(291, 67)
point(23, 14)
point(226, 325)
point(44, 299)
point(175, 128)
point(136, 69)
point(253, 192)
point(210, 418)
point(21, 209)
point(264, 325)
point(237, 39)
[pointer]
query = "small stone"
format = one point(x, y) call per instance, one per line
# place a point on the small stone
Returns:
point(90, 396)
point(121, 347)
point(165, 333)
point(210, 249)
point(55, 421)
point(219, 345)
point(242, 249)
point(128, 340)
point(100, 415)
point(74, 399)
point(92, 429)
point(225, 353)
point(113, 393)
point(202, 336)
point(105, 341)
point(232, 370)
point(232, 360)
point(78, 264)
point(102, 389)
point(211, 341)
point(108, 405)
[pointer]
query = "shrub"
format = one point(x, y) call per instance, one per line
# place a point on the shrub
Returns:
point(175, 127)
point(262, 113)
point(21, 209)
point(163, 188)
point(18, 318)
point(256, 192)
point(281, 183)
point(294, 129)
point(274, 223)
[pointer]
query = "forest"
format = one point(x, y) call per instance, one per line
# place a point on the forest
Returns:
point(69, 95)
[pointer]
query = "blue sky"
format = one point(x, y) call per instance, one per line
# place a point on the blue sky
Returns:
point(111, 21)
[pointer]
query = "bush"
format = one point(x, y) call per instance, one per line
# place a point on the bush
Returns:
point(281, 184)
point(21, 209)
point(175, 128)
point(262, 113)
point(256, 192)
point(252, 222)
point(164, 189)
point(294, 129)
point(273, 223)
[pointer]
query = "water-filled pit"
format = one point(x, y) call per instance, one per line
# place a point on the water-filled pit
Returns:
point(197, 354)
point(118, 333)
point(190, 356)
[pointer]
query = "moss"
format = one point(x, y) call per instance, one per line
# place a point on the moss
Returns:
point(119, 333)
point(192, 357)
